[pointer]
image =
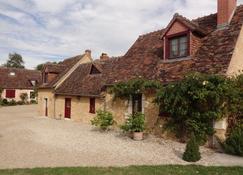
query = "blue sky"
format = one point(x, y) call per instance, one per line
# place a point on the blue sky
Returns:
point(52, 30)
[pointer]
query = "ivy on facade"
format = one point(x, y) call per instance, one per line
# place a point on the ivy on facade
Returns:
point(196, 102)
point(125, 90)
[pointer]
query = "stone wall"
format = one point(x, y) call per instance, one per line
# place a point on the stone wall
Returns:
point(42, 94)
point(121, 109)
point(79, 108)
point(236, 64)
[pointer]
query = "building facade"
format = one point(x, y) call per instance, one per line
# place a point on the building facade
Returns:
point(15, 82)
point(77, 87)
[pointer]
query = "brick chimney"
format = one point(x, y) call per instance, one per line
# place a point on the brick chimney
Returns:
point(88, 53)
point(104, 57)
point(226, 10)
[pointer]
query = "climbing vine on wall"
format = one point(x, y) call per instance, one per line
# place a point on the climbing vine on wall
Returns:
point(125, 90)
point(194, 103)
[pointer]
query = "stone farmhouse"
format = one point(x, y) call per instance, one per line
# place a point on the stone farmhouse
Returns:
point(77, 87)
point(15, 82)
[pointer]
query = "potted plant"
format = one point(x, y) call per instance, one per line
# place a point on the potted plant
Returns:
point(135, 124)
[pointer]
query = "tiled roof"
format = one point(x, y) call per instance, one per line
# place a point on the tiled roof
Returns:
point(12, 78)
point(217, 48)
point(145, 59)
point(54, 68)
point(61, 69)
point(207, 23)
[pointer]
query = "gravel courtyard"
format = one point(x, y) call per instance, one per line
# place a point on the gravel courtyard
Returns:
point(27, 141)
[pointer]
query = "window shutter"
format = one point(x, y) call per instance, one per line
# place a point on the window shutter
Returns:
point(10, 93)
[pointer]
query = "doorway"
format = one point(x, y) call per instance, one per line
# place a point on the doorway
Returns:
point(46, 107)
point(67, 108)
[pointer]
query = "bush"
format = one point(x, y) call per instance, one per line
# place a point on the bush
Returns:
point(12, 103)
point(192, 153)
point(135, 123)
point(234, 143)
point(24, 97)
point(20, 103)
point(4, 102)
point(103, 120)
point(33, 102)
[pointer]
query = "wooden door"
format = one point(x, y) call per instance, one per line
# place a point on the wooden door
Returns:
point(46, 107)
point(92, 105)
point(67, 108)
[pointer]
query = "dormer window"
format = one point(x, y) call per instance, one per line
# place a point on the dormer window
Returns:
point(12, 73)
point(94, 71)
point(178, 47)
point(33, 82)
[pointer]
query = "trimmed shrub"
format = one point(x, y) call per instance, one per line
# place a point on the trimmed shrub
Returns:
point(234, 143)
point(103, 120)
point(192, 153)
point(135, 123)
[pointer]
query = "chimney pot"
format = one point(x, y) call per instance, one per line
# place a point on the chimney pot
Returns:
point(226, 10)
point(88, 53)
point(104, 56)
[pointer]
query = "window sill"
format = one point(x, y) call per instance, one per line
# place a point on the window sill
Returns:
point(176, 59)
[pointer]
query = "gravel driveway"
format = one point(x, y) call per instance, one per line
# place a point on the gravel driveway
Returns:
point(28, 141)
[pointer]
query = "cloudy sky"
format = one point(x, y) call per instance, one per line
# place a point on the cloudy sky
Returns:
point(52, 30)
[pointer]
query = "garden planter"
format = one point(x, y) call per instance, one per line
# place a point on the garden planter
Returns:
point(138, 136)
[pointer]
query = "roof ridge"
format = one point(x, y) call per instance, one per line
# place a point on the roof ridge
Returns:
point(20, 69)
point(205, 16)
point(155, 31)
point(66, 59)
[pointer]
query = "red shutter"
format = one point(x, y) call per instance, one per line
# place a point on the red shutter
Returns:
point(10, 93)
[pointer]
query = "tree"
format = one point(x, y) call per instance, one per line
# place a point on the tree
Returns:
point(15, 61)
point(39, 67)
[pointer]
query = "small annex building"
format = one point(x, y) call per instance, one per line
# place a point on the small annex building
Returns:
point(15, 82)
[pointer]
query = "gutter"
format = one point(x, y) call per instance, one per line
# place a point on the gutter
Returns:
point(78, 95)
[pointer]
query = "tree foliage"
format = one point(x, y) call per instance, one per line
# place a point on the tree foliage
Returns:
point(196, 102)
point(15, 60)
point(39, 67)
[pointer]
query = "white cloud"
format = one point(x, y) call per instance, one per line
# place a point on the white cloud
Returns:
point(54, 29)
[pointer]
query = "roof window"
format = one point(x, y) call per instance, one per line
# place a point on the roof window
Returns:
point(12, 74)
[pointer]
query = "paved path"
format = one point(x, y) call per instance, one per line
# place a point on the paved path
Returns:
point(28, 141)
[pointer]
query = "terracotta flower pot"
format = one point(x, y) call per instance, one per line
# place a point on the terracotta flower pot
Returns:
point(138, 136)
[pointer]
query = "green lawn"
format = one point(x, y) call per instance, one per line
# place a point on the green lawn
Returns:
point(133, 170)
